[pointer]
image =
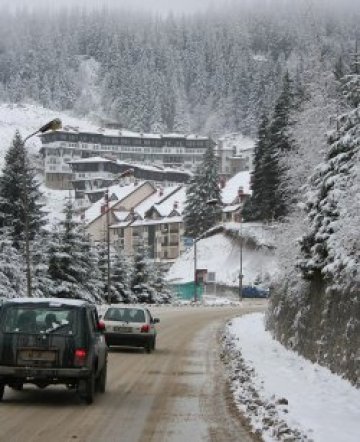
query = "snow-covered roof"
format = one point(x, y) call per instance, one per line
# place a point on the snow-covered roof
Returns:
point(167, 205)
point(231, 208)
point(60, 301)
point(85, 128)
point(229, 193)
point(91, 160)
point(120, 224)
point(153, 199)
point(121, 215)
point(150, 222)
point(121, 192)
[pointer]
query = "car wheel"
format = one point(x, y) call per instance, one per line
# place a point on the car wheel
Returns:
point(87, 389)
point(2, 388)
point(101, 380)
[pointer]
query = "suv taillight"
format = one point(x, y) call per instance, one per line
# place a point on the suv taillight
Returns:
point(145, 328)
point(80, 357)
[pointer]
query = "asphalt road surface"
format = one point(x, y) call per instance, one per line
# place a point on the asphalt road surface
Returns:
point(176, 394)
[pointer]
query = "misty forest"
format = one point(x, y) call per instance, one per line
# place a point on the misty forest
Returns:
point(210, 73)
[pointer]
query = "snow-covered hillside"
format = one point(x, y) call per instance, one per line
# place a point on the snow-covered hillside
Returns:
point(27, 119)
point(221, 254)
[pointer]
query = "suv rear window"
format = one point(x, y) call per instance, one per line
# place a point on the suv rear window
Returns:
point(39, 320)
point(125, 314)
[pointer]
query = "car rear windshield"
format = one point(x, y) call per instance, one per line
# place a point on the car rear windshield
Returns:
point(40, 320)
point(125, 314)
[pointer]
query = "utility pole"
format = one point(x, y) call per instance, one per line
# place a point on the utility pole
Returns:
point(241, 262)
point(195, 270)
point(108, 245)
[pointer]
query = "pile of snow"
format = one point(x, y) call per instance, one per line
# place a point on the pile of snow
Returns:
point(285, 396)
point(220, 254)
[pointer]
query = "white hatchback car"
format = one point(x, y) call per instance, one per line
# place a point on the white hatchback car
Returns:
point(131, 326)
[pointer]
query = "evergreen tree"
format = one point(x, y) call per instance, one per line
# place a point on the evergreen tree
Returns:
point(121, 278)
point(20, 197)
point(73, 265)
point(280, 143)
point(203, 197)
point(254, 207)
point(41, 280)
point(12, 268)
point(142, 270)
point(329, 185)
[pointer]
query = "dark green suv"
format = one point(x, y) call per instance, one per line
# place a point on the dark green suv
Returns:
point(52, 341)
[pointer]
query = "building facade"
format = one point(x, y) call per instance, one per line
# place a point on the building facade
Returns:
point(235, 154)
point(62, 147)
point(91, 176)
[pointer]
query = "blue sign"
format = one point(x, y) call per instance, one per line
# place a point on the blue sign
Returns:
point(187, 241)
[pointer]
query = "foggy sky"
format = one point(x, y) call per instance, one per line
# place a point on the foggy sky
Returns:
point(184, 6)
point(156, 6)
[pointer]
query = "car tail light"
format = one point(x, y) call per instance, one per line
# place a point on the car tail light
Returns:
point(145, 328)
point(80, 357)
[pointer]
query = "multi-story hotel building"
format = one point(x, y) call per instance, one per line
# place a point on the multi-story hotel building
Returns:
point(62, 147)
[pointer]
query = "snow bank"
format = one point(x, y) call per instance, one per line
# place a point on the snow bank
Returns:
point(221, 254)
point(284, 394)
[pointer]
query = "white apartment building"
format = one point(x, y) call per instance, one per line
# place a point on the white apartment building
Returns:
point(168, 150)
point(235, 154)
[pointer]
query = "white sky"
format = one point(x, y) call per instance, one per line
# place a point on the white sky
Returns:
point(163, 6)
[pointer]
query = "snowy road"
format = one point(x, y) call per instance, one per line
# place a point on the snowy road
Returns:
point(176, 394)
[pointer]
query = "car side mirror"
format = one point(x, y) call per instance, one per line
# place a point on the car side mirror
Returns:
point(156, 320)
point(101, 326)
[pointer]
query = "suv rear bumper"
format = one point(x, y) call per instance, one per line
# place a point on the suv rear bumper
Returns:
point(7, 373)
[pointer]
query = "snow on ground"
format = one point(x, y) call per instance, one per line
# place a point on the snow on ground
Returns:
point(55, 203)
point(286, 396)
point(27, 118)
point(221, 254)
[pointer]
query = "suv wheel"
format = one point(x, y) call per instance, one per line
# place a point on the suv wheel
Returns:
point(87, 389)
point(101, 380)
point(2, 388)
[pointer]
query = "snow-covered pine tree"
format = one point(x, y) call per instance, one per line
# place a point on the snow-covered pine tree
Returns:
point(41, 280)
point(280, 143)
point(16, 179)
point(121, 277)
point(330, 185)
point(141, 276)
point(162, 292)
point(73, 263)
point(203, 197)
point(12, 268)
point(254, 207)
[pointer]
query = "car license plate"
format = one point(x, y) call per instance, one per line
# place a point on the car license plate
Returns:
point(123, 329)
point(38, 355)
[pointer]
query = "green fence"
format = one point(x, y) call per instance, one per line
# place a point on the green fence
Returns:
point(187, 291)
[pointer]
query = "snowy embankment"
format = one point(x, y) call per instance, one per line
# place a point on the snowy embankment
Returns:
point(285, 396)
point(220, 255)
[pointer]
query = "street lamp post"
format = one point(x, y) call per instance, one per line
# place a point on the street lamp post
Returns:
point(241, 263)
point(51, 125)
